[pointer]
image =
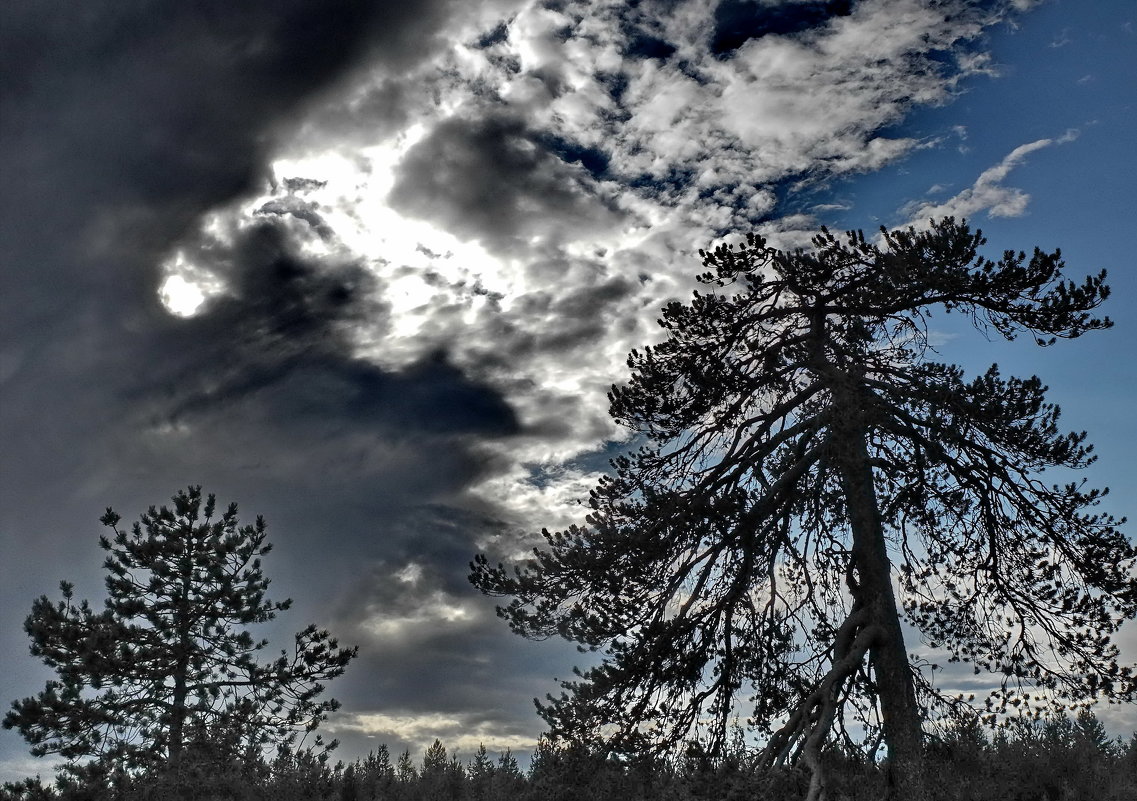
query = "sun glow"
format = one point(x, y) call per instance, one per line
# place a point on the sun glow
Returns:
point(180, 297)
point(186, 287)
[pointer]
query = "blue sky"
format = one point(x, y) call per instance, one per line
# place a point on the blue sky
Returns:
point(1060, 71)
point(370, 272)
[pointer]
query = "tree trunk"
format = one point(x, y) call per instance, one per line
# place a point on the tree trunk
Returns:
point(903, 733)
point(183, 644)
point(178, 713)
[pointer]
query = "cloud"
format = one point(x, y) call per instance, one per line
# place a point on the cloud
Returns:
point(123, 127)
point(490, 179)
point(987, 194)
point(434, 660)
point(20, 768)
point(460, 733)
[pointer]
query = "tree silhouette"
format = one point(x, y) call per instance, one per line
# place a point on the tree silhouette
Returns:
point(170, 653)
point(801, 455)
point(480, 773)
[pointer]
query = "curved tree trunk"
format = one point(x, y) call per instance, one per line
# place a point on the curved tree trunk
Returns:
point(903, 732)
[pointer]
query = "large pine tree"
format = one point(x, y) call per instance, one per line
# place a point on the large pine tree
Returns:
point(803, 459)
point(170, 660)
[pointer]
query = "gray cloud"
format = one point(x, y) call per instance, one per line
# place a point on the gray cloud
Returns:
point(124, 122)
point(435, 662)
point(489, 179)
point(987, 194)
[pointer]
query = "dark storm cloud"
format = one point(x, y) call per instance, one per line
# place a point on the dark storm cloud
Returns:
point(123, 121)
point(431, 646)
point(262, 388)
point(280, 338)
point(584, 314)
point(491, 179)
point(122, 124)
point(431, 397)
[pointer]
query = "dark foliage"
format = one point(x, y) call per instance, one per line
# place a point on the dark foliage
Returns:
point(801, 449)
point(164, 682)
point(1057, 758)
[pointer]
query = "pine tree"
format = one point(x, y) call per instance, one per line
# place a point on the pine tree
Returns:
point(435, 779)
point(405, 770)
point(434, 759)
point(801, 453)
point(171, 653)
point(1091, 732)
point(508, 781)
point(507, 765)
point(480, 772)
point(480, 765)
point(349, 784)
point(377, 774)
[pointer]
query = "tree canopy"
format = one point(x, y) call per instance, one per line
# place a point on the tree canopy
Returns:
point(169, 662)
point(810, 477)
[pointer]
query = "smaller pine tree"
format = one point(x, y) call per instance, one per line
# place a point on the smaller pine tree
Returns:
point(434, 760)
point(170, 653)
point(1090, 733)
point(405, 771)
point(480, 773)
point(377, 774)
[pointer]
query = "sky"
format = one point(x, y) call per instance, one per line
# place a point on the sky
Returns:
point(369, 269)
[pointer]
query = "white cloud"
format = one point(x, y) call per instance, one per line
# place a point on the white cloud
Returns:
point(16, 770)
point(438, 613)
point(419, 611)
point(987, 194)
point(458, 732)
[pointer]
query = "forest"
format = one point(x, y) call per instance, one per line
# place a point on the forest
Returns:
point(1062, 757)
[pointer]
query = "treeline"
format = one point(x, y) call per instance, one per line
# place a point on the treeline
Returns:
point(1060, 758)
